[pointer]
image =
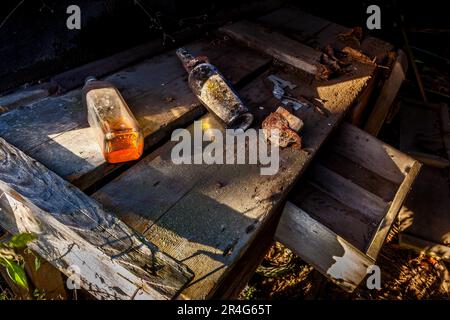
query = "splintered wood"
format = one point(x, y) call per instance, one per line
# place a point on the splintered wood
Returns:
point(73, 232)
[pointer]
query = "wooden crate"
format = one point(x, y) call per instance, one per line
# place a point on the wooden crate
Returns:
point(340, 215)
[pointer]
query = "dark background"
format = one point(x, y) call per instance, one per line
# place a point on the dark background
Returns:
point(35, 43)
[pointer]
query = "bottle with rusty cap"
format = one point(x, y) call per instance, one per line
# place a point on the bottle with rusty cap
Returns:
point(214, 91)
point(118, 132)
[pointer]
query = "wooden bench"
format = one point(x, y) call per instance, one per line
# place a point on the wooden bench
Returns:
point(340, 215)
point(215, 221)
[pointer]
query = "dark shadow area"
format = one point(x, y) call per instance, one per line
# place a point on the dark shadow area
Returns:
point(35, 42)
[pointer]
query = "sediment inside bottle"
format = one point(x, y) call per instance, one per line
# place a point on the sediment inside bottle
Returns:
point(120, 138)
point(218, 96)
point(124, 146)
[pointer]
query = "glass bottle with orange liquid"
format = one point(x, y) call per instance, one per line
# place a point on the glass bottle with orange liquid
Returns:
point(117, 130)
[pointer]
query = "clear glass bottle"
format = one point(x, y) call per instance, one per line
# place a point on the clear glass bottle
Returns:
point(214, 91)
point(117, 130)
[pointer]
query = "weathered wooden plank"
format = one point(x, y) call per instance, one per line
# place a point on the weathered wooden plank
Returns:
point(384, 160)
point(74, 78)
point(56, 133)
point(247, 264)
point(73, 230)
point(385, 226)
point(25, 96)
point(387, 95)
point(372, 154)
point(335, 215)
point(318, 32)
point(345, 191)
point(359, 175)
point(325, 250)
point(275, 44)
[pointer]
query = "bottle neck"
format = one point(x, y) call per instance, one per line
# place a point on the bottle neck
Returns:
point(188, 60)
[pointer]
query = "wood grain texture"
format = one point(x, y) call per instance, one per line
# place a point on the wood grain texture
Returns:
point(335, 215)
point(73, 78)
point(359, 175)
point(72, 229)
point(25, 96)
point(276, 45)
point(372, 154)
point(385, 226)
point(329, 253)
point(56, 133)
point(318, 32)
point(345, 191)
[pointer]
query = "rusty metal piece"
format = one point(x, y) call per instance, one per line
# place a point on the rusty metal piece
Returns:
point(294, 122)
point(323, 73)
point(357, 55)
point(331, 63)
point(214, 91)
point(285, 136)
point(354, 36)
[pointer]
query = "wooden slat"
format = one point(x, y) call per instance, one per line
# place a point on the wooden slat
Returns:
point(359, 175)
point(387, 95)
point(335, 215)
point(386, 224)
point(425, 246)
point(372, 153)
point(73, 229)
point(56, 133)
point(74, 78)
point(349, 193)
point(276, 45)
point(318, 32)
point(329, 253)
point(25, 96)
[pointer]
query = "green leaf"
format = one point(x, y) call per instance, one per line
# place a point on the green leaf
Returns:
point(21, 240)
point(37, 263)
point(16, 273)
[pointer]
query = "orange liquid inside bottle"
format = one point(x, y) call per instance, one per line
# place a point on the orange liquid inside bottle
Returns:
point(117, 131)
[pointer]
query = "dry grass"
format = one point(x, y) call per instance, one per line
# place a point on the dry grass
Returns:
point(405, 275)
